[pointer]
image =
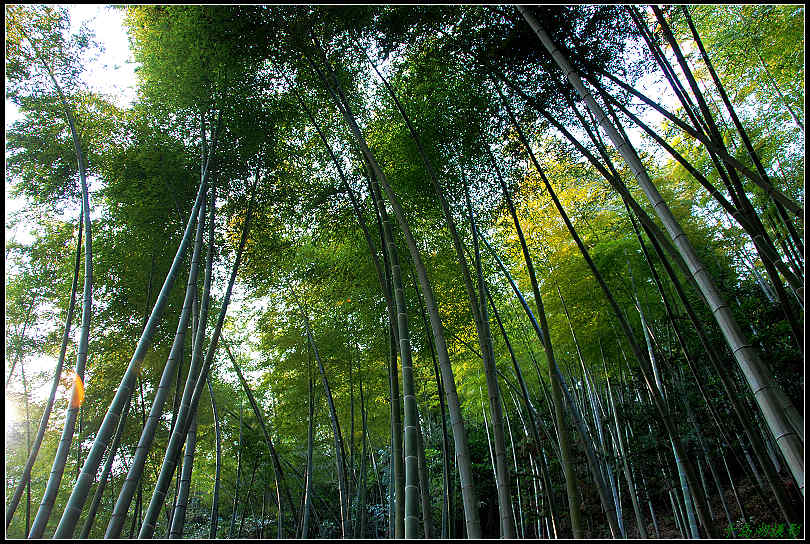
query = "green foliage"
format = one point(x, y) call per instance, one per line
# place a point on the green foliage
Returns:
point(39, 50)
point(240, 71)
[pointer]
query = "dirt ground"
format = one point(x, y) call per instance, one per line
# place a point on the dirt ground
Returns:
point(763, 518)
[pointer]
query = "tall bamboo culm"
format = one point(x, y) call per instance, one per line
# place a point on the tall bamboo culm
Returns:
point(78, 496)
point(781, 416)
point(459, 434)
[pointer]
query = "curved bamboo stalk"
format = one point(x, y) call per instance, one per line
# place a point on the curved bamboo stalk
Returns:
point(445, 533)
point(57, 373)
point(482, 327)
point(27, 443)
point(79, 495)
point(386, 291)
point(134, 474)
point(424, 482)
point(184, 420)
point(247, 499)
point(362, 486)
point(484, 336)
point(218, 435)
point(55, 478)
point(198, 335)
point(397, 514)
point(18, 353)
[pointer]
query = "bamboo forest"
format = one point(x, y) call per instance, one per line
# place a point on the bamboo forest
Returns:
point(405, 271)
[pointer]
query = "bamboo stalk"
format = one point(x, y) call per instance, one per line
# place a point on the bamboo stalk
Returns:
point(782, 418)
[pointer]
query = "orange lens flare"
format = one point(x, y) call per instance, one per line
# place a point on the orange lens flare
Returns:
point(77, 397)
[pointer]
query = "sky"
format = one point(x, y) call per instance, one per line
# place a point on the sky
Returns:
point(114, 73)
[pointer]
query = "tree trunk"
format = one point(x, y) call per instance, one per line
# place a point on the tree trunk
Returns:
point(719, 369)
point(445, 443)
point(743, 202)
point(55, 478)
point(637, 352)
point(135, 471)
point(502, 470)
point(566, 458)
point(310, 440)
point(484, 338)
point(91, 515)
point(406, 518)
point(362, 494)
point(179, 516)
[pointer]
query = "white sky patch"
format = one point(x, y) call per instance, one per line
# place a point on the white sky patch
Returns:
point(113, 72)
point(12, 414)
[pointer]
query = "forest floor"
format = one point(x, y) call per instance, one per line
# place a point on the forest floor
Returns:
point(763, 519)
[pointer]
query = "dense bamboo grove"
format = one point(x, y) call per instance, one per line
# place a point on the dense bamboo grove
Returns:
point(408, 272)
